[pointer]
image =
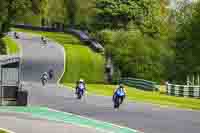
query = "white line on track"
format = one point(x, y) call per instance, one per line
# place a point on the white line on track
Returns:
point(95, 120)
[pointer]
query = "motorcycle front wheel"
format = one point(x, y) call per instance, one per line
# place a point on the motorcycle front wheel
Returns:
point(44, 82)
point(117, 102)
point(79, 95)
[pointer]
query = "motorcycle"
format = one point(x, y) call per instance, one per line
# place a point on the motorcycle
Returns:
point(44, 41)
point(118, 99)
point(16, 35)
point(79, 93)
point(44, 81)
point(51, 75)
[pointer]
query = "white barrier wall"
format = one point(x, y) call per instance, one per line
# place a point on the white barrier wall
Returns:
point(183, 90)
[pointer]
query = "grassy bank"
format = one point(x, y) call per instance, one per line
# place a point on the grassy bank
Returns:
point(11, 45)
point(81, 61)
point(1, 131)
point(143, 96)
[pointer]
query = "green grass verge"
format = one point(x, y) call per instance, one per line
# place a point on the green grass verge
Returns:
point(81, 61)
point(11, 45)
point(1, 131)
point(59, 37)
point(143, 96)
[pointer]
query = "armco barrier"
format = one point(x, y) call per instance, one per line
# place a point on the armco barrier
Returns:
point(37, 28)
point(87, 39)
point(140, 84)
point(183, 90)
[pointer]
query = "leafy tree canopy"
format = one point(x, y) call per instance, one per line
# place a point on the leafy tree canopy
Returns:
point(10, 10)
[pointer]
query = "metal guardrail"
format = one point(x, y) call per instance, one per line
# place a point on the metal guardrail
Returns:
point(140, 84)
point(183, 90)
point(6, 60)
point(38, 28)
point(84, 37)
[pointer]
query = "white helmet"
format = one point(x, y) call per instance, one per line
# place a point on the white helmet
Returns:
point(45, 73)
point(81, 80)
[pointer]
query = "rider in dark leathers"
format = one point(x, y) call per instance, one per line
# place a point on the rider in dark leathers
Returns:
point(51, 74)
point(44, 77)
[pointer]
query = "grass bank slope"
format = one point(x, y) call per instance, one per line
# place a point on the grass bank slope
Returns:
point(11, 45)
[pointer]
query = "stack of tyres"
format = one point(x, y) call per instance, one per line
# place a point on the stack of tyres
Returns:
point(191, 92)
point(196, 92)
point(186, 91)
point(183, 90)
point(176, 90)
point(172, 91)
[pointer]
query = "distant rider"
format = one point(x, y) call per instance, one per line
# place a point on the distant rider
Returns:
point(80, 86)
point(51, 74)
point(44, 76)
point(120, 92)
point(44, 40)
point(16, 35)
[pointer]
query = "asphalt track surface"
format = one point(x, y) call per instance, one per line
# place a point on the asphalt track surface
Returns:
point(140, 116)
point(25, 123)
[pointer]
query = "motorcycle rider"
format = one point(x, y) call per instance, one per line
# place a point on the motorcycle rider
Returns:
point(16, 35)
point(80, 86)
point(44, 76)
point(120, 92)
point(51, 73)
point(44, 41)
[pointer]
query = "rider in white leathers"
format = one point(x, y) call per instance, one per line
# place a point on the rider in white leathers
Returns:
point(80, 86)
point(44, 76)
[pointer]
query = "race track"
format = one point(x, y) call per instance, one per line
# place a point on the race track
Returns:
point(25, 123)
point(140, 116)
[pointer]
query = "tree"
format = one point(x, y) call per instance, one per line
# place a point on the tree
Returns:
point(112, 13)
point(55, 11)
point(10, 10)
point(138, 55)
point(72, 9)
point(187, 44)
point(43, 10)
point(118, 13)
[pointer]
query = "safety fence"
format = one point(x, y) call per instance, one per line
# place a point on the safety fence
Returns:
point(84, 37)
point(140, 84)
point(39, 28)
point(183, 90)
